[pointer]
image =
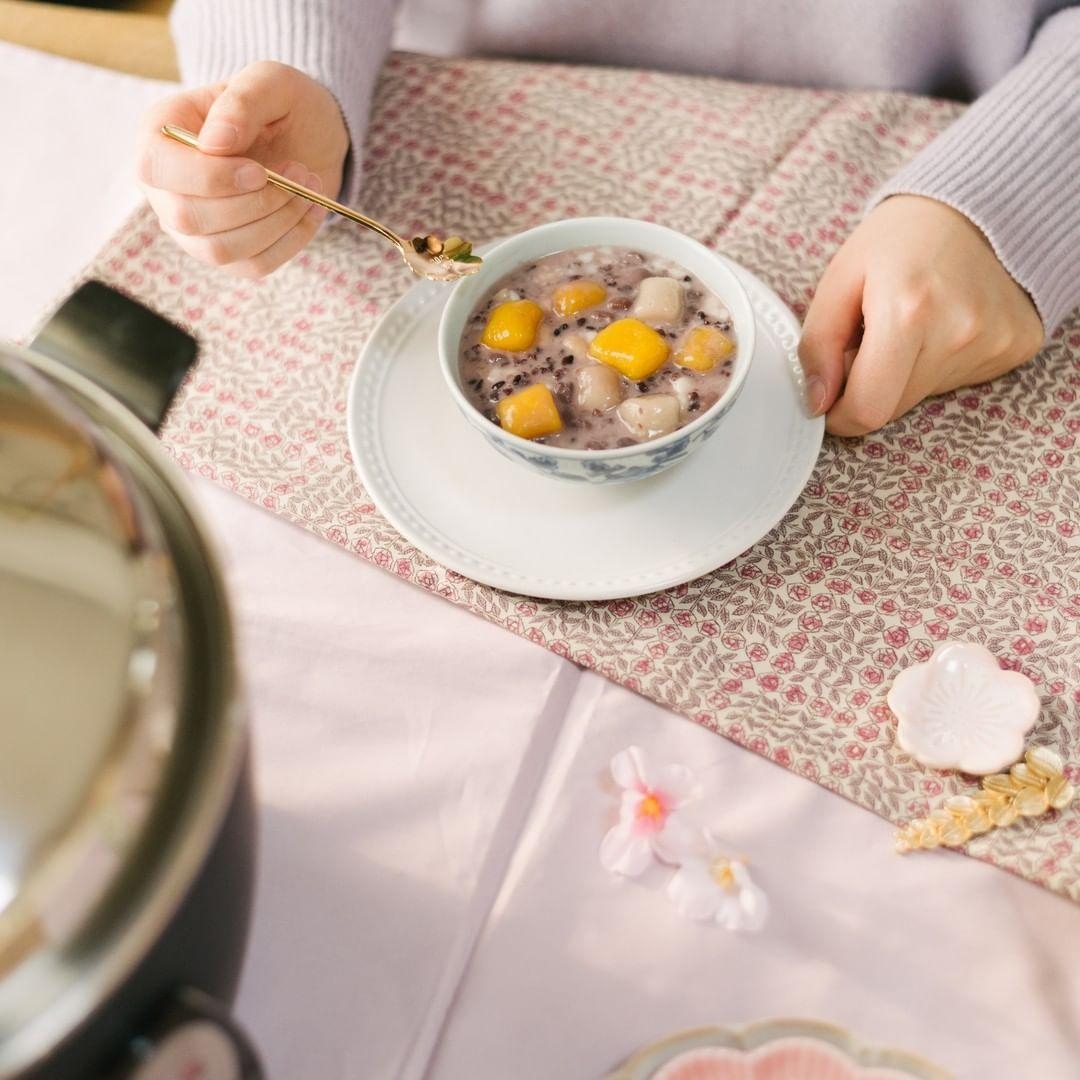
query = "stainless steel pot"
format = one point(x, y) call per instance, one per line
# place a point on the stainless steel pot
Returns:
point(126, 824)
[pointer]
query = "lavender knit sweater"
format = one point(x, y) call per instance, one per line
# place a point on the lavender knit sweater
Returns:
point(1011, 163)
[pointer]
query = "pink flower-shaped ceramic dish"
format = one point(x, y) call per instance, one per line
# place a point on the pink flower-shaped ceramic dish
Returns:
point(792, 1049)
point(959, 710)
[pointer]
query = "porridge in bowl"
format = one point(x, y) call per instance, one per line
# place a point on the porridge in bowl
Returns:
point(596, 348)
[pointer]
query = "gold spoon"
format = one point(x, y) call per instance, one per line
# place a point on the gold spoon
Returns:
point(428, 256)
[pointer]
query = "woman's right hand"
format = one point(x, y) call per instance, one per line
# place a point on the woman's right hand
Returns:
point(216, 204)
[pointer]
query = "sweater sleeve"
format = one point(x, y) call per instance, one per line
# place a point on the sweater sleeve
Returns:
point(1011, 165)
point(341, 43)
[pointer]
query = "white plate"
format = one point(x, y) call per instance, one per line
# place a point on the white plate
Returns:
point(459, 501)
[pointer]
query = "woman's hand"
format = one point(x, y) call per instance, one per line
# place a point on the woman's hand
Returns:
point(217, 204)
point(915, 303)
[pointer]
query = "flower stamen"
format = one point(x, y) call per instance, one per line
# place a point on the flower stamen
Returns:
point(722, 873)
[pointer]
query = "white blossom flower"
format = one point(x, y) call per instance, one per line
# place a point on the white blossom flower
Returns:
point(718, 889)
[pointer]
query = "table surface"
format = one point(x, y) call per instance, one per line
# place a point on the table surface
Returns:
point(432, 794)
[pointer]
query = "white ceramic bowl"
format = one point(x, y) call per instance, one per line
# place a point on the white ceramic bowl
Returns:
point(622, 463)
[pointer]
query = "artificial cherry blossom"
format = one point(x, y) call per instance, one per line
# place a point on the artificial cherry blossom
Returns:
point(650, 823)
point(718, 889)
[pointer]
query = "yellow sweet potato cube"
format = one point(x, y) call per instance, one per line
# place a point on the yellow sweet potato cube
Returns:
point(530, 413)
point(512, 326)
point(632, 348)
point(575, 296)
point(703, 348)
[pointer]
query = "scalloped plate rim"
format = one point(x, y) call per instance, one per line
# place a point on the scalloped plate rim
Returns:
point(750, 1037)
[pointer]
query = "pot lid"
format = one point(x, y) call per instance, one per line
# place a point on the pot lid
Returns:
point(90, 648)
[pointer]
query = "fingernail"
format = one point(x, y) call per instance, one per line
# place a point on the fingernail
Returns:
point(250, 177)
point(217, 136)
point(295, 172)
point(815, 395)
point(314, 181)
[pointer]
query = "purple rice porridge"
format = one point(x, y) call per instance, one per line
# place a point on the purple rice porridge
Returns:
point(595, 348)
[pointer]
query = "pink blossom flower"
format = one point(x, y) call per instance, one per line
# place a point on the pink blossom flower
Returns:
point(649, 820)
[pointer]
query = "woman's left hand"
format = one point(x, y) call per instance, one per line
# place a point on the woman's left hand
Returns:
point(915, 303)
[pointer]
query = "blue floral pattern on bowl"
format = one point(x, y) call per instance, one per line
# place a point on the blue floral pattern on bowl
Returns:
point(637, 463)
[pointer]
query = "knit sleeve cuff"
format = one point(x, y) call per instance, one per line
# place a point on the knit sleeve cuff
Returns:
point(340, 43)
point(1010, 165)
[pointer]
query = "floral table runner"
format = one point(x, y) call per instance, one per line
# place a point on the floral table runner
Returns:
point(960, 520)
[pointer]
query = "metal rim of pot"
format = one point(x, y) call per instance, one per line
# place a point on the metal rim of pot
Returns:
point(188, 811)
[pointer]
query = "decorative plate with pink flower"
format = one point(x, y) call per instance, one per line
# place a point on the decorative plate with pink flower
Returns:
point(773, 1050)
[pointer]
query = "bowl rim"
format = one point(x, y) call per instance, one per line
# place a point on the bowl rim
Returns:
point(746, 343)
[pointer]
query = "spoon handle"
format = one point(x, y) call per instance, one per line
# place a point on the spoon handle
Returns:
point(188, 138)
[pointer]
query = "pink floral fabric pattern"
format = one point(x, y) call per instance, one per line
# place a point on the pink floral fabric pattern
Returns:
point(961, 520)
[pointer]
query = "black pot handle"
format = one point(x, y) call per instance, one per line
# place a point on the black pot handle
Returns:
point(127, 349)
point(192, 1037)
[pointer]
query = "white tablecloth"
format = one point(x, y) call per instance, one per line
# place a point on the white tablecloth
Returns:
point(433, 795)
